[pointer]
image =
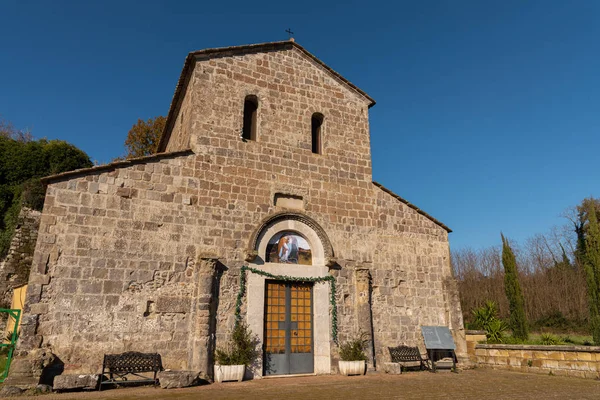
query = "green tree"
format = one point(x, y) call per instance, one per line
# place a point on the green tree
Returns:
point(580, 218)
point(516, 302)
point(144, 136)
point(591, 264)
point(23, 161)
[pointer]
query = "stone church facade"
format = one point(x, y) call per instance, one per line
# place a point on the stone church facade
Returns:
point(265, 162)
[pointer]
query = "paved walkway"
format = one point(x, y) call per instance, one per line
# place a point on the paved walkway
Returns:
point(473, 384)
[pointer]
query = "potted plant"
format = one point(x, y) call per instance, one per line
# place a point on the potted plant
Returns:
point(239, 353)
point(353, 357)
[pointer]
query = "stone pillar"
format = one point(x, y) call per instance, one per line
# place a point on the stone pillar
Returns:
point(364, 316)
point(455, 318)
point(203, 318)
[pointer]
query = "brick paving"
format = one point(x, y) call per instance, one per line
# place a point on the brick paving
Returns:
point(472, 384)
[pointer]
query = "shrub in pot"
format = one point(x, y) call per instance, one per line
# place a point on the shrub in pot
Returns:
point(239, 353)
point(353, 357)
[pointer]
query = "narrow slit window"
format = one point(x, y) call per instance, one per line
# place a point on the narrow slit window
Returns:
point(316, 123)
point(250, 110)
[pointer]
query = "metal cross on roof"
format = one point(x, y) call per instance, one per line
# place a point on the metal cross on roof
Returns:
point(290, 33)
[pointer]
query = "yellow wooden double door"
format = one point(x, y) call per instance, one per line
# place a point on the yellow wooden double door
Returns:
point(288, 336)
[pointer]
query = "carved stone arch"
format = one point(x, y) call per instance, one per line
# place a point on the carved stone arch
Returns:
point(291, 216)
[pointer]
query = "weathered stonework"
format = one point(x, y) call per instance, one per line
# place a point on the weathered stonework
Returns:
point(578, 361)
point(145, 255)
point(14, 269)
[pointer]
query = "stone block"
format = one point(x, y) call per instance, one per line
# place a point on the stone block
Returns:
point(556, 355)
point(570, 356)
point(75, 381)
point(41, 388)
point(550, 364)
point(124, 192)
point(173, 304)
point(581, 356)
point(178, 379)
point(392, 368)
point(39, 308)
point(40, 279)
point(9, 391)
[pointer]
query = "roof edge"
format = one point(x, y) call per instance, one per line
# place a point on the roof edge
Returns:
point(184, 78)
point(117, 164)
point(417, 209)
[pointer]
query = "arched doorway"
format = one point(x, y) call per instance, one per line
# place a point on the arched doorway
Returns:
point(290, 317)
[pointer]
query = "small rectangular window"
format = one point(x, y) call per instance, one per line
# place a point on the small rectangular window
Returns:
point(250, 109)
point(316, 123)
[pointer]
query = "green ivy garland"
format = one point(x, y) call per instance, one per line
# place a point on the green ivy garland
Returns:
point(285, 278)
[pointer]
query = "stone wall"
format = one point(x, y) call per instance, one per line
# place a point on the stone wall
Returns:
point(14, 269)
point(145, 254)
point(579, 361)
point(116, 265)
point(473, 338)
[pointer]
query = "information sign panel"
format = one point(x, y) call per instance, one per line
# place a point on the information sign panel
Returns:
point(438, 337)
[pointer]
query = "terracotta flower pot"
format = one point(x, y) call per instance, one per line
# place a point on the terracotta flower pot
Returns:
point(224, 373)
point(352, 367)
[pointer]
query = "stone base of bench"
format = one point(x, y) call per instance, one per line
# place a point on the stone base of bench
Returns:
point(178, 379)
point(395, 368)
point(75, 381)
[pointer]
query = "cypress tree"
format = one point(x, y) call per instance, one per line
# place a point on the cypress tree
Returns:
point(592, 270)
point(518, 321)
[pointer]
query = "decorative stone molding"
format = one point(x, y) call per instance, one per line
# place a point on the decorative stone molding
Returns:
point(293, 216)
point(250, 255)
point(206, 255)
point(331, 262)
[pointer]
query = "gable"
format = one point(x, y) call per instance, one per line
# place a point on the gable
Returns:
point(226, 52)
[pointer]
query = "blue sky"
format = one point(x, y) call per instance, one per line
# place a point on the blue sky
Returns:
point(487, 113)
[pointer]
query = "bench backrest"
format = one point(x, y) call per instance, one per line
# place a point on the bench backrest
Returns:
point(133, 361)
point(404, 354)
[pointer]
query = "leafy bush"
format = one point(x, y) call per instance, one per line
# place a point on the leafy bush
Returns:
point(354, 350)
point(555, 320)
point(548, 339)
point(241, 349)
point(495, 331)
point(567, 339)
point(486, 317)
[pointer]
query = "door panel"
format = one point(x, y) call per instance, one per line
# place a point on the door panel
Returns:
point(288, 328)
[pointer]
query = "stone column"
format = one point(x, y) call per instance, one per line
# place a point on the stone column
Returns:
point(364, 316)
point(203, 318)
point(455, 318)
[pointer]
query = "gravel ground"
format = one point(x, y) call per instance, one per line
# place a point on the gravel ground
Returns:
point(471, 384)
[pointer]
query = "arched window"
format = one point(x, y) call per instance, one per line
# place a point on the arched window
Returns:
point(250, 108)
point(316, 123)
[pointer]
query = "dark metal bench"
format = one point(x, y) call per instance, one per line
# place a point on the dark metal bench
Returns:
point(119, 366)
point(403, 354)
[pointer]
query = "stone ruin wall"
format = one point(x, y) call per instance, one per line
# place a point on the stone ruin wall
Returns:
point(14, 269)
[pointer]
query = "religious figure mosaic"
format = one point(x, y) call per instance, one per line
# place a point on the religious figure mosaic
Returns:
point(289, 248)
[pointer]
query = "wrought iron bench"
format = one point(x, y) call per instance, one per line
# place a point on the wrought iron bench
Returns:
point(119, 366)
point(402, 354)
